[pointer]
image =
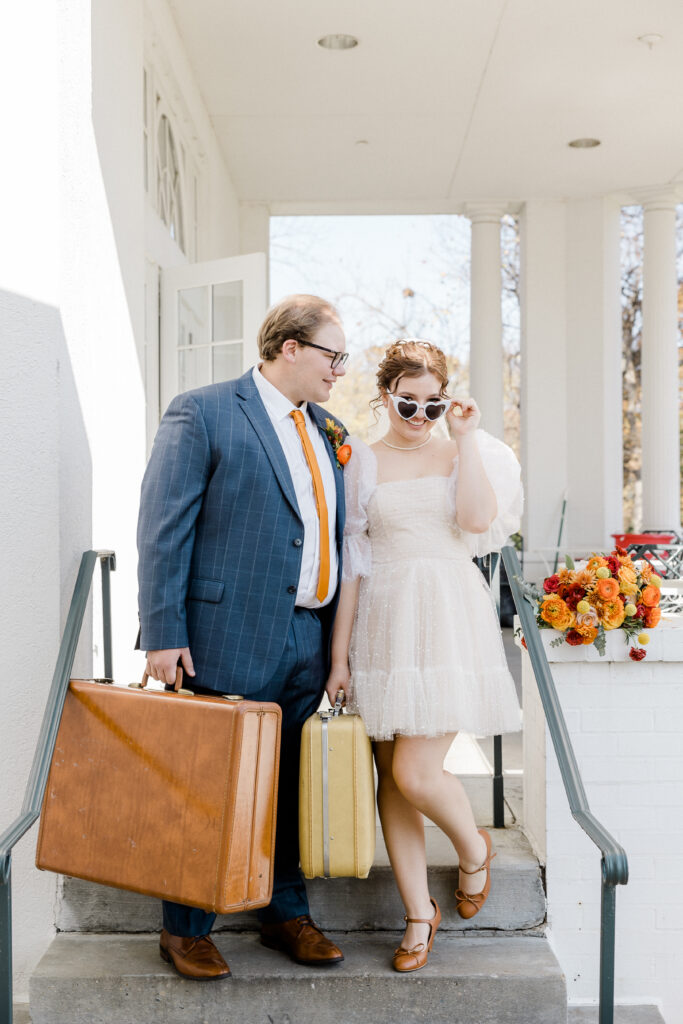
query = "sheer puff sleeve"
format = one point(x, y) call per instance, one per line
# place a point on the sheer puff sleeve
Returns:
point(504, 474)
point(360, 479)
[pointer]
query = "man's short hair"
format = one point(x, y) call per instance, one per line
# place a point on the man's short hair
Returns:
point(298, 317)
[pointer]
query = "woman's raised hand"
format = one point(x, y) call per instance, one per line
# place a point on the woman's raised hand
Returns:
point(463, 417)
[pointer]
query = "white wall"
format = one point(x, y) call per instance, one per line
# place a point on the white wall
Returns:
point(72, 404)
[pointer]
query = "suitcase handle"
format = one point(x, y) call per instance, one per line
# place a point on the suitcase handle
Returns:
point(338, 708)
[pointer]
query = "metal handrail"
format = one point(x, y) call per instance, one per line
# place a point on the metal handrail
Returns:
point(42, 759)
point(614, 861)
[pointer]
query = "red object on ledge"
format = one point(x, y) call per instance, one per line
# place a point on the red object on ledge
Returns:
point(624, 539)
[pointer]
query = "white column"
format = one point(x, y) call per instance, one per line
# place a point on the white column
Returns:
point(544, 400)
point(486, 324)
point(255, 232)
point(593, 375)
point(660, 472)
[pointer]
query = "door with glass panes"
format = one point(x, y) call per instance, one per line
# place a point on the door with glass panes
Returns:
point(210, 316)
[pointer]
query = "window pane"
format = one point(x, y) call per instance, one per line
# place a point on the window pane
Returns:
point(227, 362)
point(194, 367)
point(227, 311)
point(193, 316)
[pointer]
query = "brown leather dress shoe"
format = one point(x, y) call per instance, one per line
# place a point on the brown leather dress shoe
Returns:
point(195, 957)
point(303, 940)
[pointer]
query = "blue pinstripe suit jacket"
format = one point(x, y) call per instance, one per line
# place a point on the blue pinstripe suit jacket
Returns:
point(216, 536)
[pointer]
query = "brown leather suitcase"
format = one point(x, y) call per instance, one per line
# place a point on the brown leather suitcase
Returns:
point(169, 794)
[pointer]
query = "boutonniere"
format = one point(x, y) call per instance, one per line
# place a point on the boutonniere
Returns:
point(335, 435)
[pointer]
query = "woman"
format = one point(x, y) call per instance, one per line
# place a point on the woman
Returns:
point(416, 645)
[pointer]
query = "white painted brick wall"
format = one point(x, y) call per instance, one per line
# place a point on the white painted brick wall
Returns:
point(625, 720)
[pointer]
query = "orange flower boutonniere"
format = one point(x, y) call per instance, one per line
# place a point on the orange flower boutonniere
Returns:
point(336, 436)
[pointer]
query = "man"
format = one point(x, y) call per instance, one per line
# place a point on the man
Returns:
point(239, 537)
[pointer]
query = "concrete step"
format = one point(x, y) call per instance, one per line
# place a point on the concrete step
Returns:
point(517, 900)
point(112, 979)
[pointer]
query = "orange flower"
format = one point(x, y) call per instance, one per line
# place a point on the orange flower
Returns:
point(588, 633)
point(652, 617)
point(566, 576)
point(650, 597)
point(628, 580)
point(607, 589)
point(646, 571)
point(611, 613)
point(595, 562)
point(343, 454)
point(585, 578)
point(555, 612)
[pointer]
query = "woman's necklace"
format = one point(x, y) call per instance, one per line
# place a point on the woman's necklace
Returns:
point(402, 448)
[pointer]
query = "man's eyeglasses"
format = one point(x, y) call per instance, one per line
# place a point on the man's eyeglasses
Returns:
point(338, 358)
point(407, 407)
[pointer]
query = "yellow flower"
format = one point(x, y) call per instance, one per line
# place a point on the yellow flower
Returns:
point(627, 580)
point(556, 613)
point(595, 562)
point(611, 613)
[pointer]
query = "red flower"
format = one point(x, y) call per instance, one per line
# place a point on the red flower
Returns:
point(551, 584)
point(575, 593)
point(640, 611)
point(637, 654)
point(574, 638)
point(614, 564)
point(620, 551)
point(622, 598)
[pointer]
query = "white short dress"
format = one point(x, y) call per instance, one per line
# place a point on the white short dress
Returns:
point(426, 653)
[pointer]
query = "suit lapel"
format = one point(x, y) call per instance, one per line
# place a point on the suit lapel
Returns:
point(255, 411)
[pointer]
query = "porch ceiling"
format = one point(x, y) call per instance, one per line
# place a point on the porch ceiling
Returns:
point(457, 100)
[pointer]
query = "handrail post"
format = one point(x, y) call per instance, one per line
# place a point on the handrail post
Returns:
point(493, 566)
point(108, 563)
point(6, 1008)
point(607, 939)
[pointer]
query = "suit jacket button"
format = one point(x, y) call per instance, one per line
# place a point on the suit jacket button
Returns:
point(297, 542)
point(291, 590)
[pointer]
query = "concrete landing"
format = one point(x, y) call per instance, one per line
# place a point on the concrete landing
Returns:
point(622, 1015)
point(113, 979)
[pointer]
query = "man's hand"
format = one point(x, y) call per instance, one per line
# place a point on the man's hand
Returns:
point(162, 665)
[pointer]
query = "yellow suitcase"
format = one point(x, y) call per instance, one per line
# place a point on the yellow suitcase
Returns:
point(336, 796)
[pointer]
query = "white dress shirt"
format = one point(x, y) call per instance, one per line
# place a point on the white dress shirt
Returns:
point(279, 407)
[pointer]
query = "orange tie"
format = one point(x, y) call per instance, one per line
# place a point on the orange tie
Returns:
point(320, 504)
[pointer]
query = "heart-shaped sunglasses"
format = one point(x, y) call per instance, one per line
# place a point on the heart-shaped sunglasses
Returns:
point(407, 408)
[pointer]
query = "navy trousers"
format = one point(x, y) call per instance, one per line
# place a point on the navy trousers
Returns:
point(297, 687)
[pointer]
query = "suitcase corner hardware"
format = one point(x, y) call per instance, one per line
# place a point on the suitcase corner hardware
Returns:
point(235, 697)
point(185, 693)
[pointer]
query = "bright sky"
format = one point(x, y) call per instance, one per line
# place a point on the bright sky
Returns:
point(367, 267)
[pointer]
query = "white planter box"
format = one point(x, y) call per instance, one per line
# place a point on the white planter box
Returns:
point(625, 720)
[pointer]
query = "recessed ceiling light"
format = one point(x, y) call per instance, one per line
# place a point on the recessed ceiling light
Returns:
point(338, 42)
point(584, 143)
point(650, 39)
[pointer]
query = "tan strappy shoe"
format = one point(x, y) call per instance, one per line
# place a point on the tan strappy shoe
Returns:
point(413, 959)
point(468, 904)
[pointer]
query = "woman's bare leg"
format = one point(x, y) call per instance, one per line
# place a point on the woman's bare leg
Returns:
point(418, 772)
point(403, 828)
